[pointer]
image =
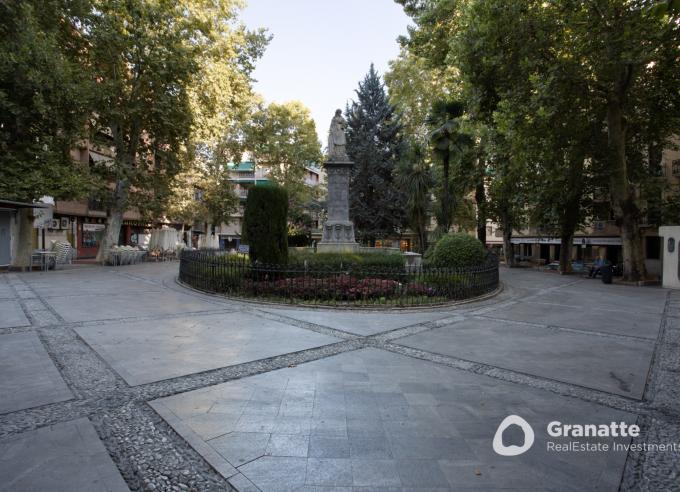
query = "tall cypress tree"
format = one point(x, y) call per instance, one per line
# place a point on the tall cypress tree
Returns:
point(375, 144)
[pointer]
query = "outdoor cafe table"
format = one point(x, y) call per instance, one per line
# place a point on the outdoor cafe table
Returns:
point(44, 256)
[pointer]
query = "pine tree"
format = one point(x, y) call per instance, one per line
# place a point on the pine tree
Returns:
point(375, 144)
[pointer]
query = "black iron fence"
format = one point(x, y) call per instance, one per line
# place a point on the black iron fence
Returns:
point(217, 272)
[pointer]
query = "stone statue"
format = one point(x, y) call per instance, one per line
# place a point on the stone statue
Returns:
point(336, 138)
point(338, 230)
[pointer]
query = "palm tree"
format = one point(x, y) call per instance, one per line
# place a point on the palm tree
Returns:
point(448, 141)
point(416, 182)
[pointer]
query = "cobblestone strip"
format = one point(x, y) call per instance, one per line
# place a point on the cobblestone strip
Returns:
point(652, 470)
point(551, 385)
point(156, 317)
point(594, 333)
point(324, 330)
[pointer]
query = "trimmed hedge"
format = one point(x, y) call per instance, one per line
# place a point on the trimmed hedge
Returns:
point(457, 250)
point(344, 261)
point(265, 227)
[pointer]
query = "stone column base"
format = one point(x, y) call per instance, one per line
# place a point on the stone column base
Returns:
point(322, 247)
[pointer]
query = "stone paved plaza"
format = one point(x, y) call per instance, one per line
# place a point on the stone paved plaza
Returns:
point(116, 378)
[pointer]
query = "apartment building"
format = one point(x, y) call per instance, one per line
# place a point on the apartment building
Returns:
point(602, 237)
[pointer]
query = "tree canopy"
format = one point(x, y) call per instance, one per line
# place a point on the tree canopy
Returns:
point(566, 95)
point(45, 99)
point(375, 145)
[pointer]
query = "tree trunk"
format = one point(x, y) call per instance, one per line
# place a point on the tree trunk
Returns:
point(566, 243)
point(572, 211)
point(633, 254)
point(446, 196)
point(24, 249)
point(508, 252)
point(622, 193)
point(422, 240)
point(114, 221)
point(480, 198)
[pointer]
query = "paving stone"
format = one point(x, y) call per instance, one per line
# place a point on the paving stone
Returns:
point(64, 457)
point(295, 445)
point(615, 321)
point(12, 314)
point(241, 447)
point(124, 305)
point(564, 356)
point(28, 377)
point(375, 447)
point(375, 473)
point(328, 447)
point(146, 351)
point(271, 473)
point(421, 473)
point(329, 472)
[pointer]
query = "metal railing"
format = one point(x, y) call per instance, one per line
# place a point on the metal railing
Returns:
point(217, 272)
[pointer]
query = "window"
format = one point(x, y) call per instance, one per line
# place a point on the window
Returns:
point(653, 247)
point(675, 167)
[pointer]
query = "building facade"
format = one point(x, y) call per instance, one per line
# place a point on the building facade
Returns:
point(243, 177)
point(602, 237)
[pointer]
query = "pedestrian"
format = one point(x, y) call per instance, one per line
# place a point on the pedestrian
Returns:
point(596, 267)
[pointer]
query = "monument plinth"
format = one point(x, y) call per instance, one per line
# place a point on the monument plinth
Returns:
point(338, 230)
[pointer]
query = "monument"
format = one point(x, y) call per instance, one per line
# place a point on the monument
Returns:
point(338, 230)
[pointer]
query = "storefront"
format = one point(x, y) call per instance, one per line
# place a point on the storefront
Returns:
point(90, 234)
point(547, 249)
point(134, 233)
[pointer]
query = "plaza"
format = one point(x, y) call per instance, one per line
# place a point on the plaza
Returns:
point(117, 378)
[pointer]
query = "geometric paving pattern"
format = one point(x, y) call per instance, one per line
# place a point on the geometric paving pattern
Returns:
point(374, 419)
point(183, 391)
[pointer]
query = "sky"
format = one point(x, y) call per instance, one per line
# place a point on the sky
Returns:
point(322, 48)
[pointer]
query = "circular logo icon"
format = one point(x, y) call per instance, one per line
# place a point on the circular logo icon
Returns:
point(513, 450)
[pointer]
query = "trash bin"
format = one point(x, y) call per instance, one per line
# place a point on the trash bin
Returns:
point(607, 274)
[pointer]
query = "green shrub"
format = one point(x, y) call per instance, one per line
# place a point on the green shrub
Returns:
point(299, 240)
point(344, 261)
point(456, 250)
point(265, 227)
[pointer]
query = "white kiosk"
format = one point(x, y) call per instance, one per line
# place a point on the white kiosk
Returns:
point(671, 256)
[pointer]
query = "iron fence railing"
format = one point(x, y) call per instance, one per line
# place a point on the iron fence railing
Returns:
point(234, 275)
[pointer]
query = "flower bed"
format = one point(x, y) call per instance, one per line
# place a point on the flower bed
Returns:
point(356, 285)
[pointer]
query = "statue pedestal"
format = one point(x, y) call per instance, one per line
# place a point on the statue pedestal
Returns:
point(338, 230)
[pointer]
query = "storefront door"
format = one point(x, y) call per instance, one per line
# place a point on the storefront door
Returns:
point(89, 237)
